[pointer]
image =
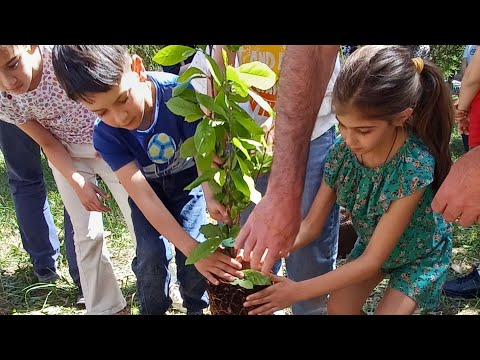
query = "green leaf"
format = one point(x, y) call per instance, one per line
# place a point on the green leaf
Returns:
point(257, 74)
point(211, 231)
point(199, 180)
point(209, 103)
point(246, 284)
point(182, 107)
point(240, 183)
point(234, 230)
point(214, 70)
point(230, 242)
point(173, 54)
point(241, 90)
point(204, 138)
point(220, 177)
point(251, 144)
point(192, 118)
point(255, 195)
point(203, 250)
point(187, 149)
point(239, 99)
point(180, 88)
point(216, 189)
point(239, 85)
point(189, 94)
point(247, 122)
point(233, 48)
point(225, 57)
point(239, 145)
point(234, 210)
point(256, 277)
point(243, 166)
point(220, 197)
point(189, 72)
point(204, 163)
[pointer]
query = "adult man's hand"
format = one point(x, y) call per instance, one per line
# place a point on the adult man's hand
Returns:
point(273, 226)
point(459, 196)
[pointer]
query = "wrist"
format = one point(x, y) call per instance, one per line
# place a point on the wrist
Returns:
point(77, 181)
point(461, 107)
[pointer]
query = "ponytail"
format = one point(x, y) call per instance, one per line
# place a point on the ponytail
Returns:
point(432, 120)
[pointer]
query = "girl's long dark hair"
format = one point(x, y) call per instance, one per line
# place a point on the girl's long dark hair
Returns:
point(382, 81)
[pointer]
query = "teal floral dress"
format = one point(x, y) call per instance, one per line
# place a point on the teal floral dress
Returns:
point(419, 262)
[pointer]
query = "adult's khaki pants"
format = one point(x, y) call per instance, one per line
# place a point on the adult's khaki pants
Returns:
point(99, 283)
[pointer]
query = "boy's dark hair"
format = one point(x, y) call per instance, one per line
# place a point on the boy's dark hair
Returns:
point(382, 81)
point(83, 69)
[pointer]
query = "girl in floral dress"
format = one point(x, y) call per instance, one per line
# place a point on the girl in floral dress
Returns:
point(395, 119)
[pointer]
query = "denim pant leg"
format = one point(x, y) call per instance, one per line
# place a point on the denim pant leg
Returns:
point(189, 209)
point(25, 177)
point(261, 185)
point(150, 265)
point(70, 248)
point(318, 257)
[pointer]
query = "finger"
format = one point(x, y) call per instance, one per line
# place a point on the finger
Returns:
point(100, 192)
point(260, 297)
point(231, 262)
point(451, 213)
point(239, 256)
point(267, 309)
point(467, 219)
point(223, 274)
point(276, 278)
point(97, 205)
point(242, 236)
point(256, 256)
point(249, 245)
point(438, 204)
point(269, 262)
point(210, 278)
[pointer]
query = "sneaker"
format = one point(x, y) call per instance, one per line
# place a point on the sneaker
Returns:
point(197, 312)
point(47, 275)
point(467, 287)
point(80, 303)
point(177, 301)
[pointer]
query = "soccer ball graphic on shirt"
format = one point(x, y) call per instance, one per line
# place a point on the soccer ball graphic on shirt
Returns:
point(161, 148)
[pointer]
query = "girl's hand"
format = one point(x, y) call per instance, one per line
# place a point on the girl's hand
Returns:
point(220, 265)
point(88, 193)
point(283, 293)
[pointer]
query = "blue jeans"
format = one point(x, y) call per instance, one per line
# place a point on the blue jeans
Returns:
point(153, 253)
point(34, 219)
point(318, 257)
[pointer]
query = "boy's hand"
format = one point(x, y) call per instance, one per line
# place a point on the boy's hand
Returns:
point(283, 293)
point(217, 210)
point(220, 265)
point(87, 193)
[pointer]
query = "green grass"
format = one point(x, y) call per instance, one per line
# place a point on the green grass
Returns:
point(20, 294)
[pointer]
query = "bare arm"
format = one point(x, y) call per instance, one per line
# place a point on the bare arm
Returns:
point(305, 73)
point(162, 220)
point(312, 226)
point(388, 232)
point(470, 83)
point(61, 159)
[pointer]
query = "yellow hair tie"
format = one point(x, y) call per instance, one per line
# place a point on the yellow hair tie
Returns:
point(419, 64)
